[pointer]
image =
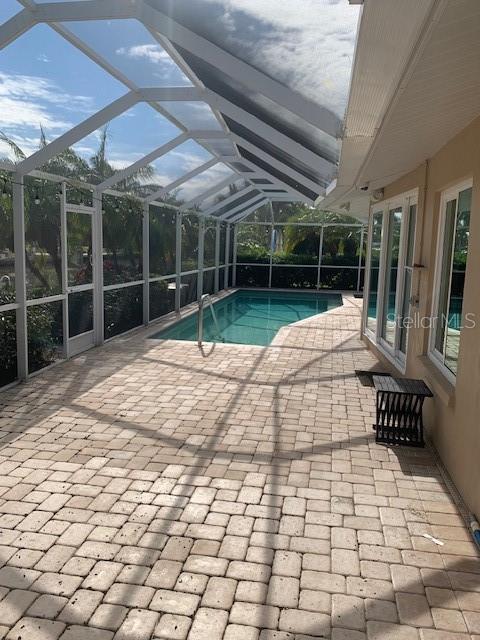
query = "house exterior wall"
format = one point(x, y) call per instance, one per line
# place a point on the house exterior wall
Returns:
point(453, 417)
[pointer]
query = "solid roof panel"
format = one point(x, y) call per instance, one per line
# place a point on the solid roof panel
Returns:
point(283, 177)
point(307, 45)
point(263, 108)
point(279, 154)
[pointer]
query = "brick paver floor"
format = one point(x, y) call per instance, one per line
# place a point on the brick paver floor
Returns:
point(148, 490)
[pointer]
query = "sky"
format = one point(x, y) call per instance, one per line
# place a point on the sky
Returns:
point(46, 82)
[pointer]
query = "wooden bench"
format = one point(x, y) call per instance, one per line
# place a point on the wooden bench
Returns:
point(399, 417)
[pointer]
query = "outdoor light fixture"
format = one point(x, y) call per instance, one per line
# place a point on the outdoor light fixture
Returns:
point(4, 190)
point(37, 196)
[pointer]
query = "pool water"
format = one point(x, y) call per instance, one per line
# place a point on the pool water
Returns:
point(252, 317)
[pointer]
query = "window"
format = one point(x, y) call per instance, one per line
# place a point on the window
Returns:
point(392, 236)
point(452, 251)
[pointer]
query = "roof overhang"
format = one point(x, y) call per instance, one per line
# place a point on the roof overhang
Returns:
point(415, 85)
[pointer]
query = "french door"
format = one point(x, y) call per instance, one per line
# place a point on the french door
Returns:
point(391, 246)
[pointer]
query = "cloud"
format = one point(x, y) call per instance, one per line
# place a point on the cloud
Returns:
point(30, 102)
point(189, 160)
point(181, 163)
point(193, 114)
point(120, 163)
point(148, 61)
point(37, 88)
point(43, 58)
point(203, 181)
point(151, 52)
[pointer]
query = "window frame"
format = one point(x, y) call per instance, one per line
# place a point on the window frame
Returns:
point(435, 356)
point(386, 207)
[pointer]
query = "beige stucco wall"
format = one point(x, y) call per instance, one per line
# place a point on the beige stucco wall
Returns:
point(453, 417)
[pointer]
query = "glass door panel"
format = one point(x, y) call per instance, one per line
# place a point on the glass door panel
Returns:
point(391, 275)
point(375, 251)
point(444, 289)
point(407, 279)
point(457, 280)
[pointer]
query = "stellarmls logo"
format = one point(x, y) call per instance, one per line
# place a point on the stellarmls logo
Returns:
point(417, 321)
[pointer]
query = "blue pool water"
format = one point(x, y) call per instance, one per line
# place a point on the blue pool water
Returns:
point(253, 317)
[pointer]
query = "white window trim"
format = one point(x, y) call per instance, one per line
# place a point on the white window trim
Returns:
point(434, 355)
point(405, 201)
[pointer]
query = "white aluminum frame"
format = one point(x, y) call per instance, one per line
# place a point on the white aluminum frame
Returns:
point(169, 35)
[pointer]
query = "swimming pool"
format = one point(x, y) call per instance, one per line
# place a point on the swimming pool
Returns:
point(252, 317)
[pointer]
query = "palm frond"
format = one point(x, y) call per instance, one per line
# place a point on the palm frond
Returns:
point(17, 152)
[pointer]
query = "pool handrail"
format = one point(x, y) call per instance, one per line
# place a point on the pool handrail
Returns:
point(204, 300)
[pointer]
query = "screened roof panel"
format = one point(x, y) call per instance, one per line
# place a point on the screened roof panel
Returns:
point(8, 8)
point(38, 90)
point(124, 140)
point(174, 164)
point(224, 193)
point(130, 48)
point(193, 115)
point(202, 182)
point(307, 45)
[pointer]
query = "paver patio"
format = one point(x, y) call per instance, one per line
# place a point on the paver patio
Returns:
point(148, 490)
